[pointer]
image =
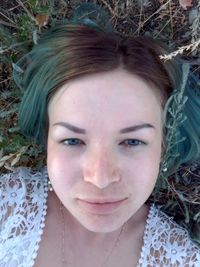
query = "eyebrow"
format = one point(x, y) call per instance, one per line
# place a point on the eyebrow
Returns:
point(76, 129)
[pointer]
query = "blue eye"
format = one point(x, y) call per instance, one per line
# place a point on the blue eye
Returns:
point(75, 142)
point(133, 142)
point(71, 142)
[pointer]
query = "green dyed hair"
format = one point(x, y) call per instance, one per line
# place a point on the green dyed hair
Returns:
point(85, 46)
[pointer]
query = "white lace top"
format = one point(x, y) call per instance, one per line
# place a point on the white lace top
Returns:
point(23, 198)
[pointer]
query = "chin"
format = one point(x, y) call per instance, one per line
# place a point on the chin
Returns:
point(99, 223)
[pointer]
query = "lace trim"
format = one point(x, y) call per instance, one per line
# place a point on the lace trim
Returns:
point(165, 243)
point(145, 236)
point(42, 222)
point(22, 215)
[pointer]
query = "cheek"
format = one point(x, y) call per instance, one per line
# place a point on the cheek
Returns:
point(61, 175)
point(144, 168)
point(59, 168)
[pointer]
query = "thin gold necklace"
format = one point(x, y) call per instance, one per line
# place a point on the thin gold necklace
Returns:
point(64, 262)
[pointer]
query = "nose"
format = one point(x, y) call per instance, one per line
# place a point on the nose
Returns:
point(101, 168)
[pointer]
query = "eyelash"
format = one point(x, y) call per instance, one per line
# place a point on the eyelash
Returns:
point(139, 142)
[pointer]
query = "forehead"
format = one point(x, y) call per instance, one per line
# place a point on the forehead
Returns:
point(106, 96)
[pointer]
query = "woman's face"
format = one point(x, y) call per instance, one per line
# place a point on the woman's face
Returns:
point(115, 155)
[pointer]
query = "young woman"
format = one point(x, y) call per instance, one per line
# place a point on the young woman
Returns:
point(99, 104)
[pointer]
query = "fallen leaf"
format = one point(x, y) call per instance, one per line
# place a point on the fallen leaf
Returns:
point(42, 19)
point(4, 158)
point(15, 160)
point(185, 3)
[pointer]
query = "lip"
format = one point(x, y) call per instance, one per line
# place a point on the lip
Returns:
point(101, 201)
point(101, 208)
